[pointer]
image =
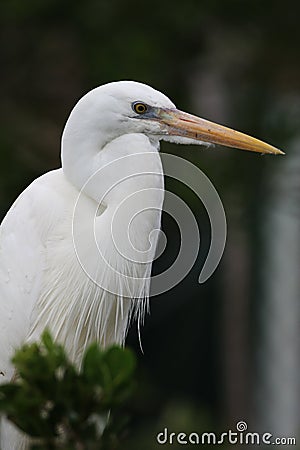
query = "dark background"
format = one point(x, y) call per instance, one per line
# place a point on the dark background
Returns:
point(227, 350)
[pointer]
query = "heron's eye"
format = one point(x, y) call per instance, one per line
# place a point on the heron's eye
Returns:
point(139, 107)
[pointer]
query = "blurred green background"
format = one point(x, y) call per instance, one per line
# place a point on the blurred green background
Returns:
point(227, 350)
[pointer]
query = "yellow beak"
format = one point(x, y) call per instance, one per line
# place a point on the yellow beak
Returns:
point(189, 126)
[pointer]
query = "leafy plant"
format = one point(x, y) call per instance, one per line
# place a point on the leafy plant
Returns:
point(60, 406)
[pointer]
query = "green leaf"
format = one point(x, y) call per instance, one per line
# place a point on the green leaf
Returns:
point(51, 395)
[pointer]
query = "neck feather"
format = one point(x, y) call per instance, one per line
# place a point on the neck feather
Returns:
point(119, 190)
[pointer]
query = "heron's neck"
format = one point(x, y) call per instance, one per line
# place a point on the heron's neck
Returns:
point(117, 246)
point(79, 153)
point(112, 168)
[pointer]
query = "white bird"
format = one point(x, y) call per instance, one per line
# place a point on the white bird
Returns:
point(65, 263)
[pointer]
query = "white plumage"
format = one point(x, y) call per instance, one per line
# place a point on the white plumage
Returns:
point(65, 263)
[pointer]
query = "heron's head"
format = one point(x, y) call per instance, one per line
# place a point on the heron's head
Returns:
point(123, 107)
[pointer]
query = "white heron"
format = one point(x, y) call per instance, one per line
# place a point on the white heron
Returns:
point(49, 279)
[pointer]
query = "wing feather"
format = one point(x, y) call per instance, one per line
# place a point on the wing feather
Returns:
point(23, 235)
